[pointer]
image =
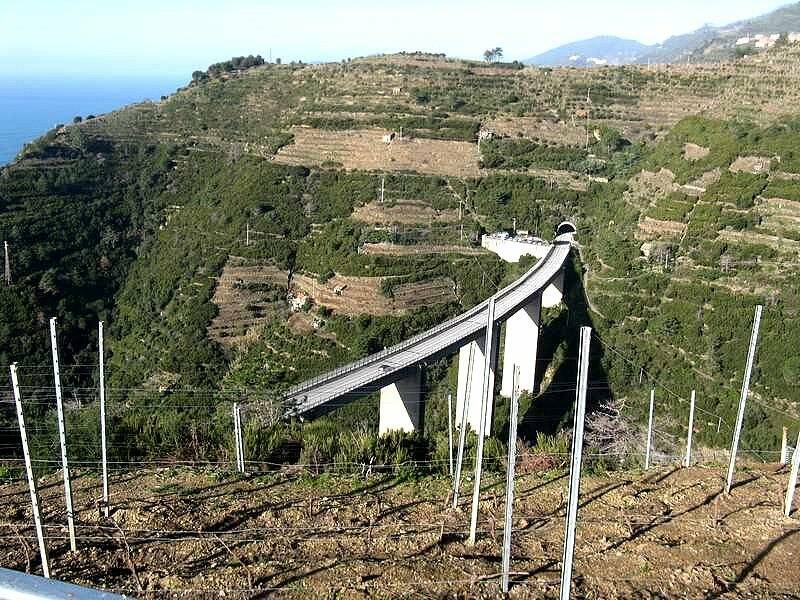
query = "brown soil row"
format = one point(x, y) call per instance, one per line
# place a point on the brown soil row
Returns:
point(176, 533)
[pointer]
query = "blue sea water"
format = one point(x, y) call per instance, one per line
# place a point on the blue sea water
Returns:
point(30, 106)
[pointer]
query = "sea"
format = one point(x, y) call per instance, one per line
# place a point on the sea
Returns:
point(31, 106)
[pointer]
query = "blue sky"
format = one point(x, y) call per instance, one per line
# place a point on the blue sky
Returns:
point(157, 37)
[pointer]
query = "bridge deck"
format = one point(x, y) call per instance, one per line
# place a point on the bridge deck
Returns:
point(374, 371)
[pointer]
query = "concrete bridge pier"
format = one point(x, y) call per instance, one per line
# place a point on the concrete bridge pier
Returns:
point(401, 404)
point(521, 347)
point(471, 360)
point(554, 293)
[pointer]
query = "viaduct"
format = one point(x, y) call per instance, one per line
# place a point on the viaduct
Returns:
point(397, 370)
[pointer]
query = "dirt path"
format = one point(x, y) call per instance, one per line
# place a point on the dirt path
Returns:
point(666, 533)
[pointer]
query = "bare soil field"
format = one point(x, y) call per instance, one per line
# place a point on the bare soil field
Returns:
point(694, 152)
point(365, 149)
point(653, 228)
point(751, 164)
point(202, 533)
point(363, 295)
point(400, 250)
point(560, 132)
point(406, 212)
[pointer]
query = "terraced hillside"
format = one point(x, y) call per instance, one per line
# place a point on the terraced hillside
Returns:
point(337, 208)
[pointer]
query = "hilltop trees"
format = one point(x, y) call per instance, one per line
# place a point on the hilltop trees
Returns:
point(236, 63)
point(493, 54)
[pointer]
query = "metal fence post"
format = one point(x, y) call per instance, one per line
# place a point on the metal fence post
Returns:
point(62, 434)
point(450, 430)
point(486, 397)
point(649, 430)
point(575, 467)
point(37, 518)
point(103, 442)
point(787, 505)
point(241, 438)
point(737, 432)
point(784, 446)
point(512, 461)
point(688, 460)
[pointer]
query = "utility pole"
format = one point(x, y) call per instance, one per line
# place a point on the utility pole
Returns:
point(751, 354)
point(588, 103)
point(383, 187)
point(7, 264)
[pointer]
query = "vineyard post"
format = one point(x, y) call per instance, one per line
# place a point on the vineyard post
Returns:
point(103, 442)
point(512, 460)
point(787, 505)
point(649, 430)
point(37, 518)
point(688, 460)
point(737, 432)
point(575, 467)
point(62, 434)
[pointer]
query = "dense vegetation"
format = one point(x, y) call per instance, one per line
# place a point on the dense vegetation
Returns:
point(131, 219)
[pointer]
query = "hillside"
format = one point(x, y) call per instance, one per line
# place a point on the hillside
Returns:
point(185, 223)
point(597, 51)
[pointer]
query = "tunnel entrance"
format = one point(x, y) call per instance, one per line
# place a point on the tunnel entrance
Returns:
point(566, 227)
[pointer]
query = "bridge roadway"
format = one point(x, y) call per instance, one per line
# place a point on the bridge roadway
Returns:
point(369, 374)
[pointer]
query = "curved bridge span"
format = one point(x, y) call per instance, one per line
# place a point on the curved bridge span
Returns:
point(396, 369)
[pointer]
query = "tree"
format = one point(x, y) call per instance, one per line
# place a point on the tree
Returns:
point(77, 119)
point(498, 53)
point(488, 55)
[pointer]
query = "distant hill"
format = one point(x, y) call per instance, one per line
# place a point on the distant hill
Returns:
point(719, 43)
point(601, 50)
point(708, 44)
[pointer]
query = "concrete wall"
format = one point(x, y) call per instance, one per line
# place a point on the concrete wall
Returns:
point(511, 249)
point(401, 404)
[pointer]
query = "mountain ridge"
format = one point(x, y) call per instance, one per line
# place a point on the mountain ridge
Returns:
point(707, 43)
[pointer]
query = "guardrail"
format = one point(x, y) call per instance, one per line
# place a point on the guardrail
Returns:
point(15, 585)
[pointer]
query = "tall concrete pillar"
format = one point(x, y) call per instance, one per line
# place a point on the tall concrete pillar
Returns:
point(554, 293)
point(401, 404)
point(521, 347)
point(471, 360)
